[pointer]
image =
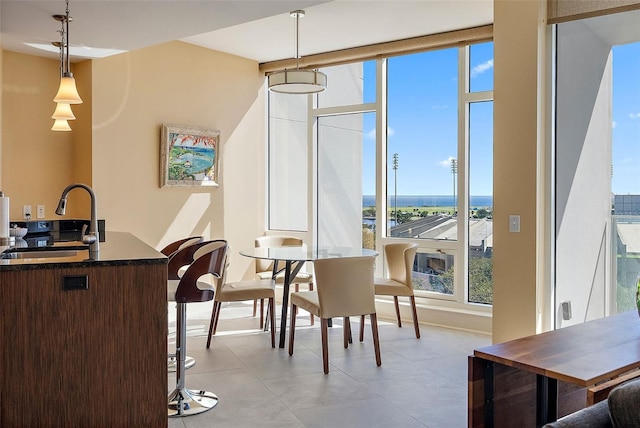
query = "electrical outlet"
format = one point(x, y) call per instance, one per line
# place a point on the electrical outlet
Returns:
point(26, 212)
point(40, 212)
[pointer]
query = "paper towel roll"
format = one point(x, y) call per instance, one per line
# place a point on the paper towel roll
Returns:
point(4, 217)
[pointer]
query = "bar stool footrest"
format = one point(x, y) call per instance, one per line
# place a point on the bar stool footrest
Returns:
point(187, 402)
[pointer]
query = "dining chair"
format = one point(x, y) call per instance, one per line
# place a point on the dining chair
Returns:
point(239, 291)
point(207, 259)
point(265, 268)
point(175, 271)
point(344, 288)
point(399, 258)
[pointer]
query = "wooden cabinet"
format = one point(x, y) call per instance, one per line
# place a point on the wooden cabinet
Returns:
point(84, 358)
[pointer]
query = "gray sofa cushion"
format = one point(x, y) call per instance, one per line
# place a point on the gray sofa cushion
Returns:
point(596, 416)
point(624, 405)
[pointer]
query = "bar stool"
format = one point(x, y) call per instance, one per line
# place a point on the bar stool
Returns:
point(175, 271)
point(208, 258)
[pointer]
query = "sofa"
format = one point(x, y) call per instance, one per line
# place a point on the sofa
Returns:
point(620, 410)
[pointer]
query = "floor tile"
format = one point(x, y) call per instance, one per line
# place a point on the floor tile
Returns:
point(421, 382)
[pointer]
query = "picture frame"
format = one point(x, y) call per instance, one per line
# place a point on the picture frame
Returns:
point(189, 156)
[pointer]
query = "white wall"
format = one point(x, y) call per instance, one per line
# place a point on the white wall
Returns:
point(583, 173)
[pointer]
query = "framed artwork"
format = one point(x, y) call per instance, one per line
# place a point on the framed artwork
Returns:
point(189, 156)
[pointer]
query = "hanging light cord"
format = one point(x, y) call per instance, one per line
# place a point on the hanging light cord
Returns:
point(67, 71)
point(62, 43)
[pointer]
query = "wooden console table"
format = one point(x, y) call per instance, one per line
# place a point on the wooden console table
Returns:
point(534, 380)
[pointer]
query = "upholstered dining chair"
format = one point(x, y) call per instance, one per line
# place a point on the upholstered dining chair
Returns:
point(258, 289)
point(175, 272)
point(207, 258)
point(264, 268)
point(399, 262)
point(344, 288)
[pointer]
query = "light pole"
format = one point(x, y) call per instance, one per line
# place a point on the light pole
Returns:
point(395, 182)
point(454, 170)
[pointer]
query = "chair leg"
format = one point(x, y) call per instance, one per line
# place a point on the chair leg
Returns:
point(310, 314)
point(361, 328)
point(272, 317)
point(255, 307)
point(261, 314)
point(376, 341)
point(346, 331)
point(211, 323)
point(395, 301)
point(324, 328)
point(292, 327)
point(415, 316)
point(215, 324)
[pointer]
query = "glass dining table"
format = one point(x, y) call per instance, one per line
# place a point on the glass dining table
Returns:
point(293, 259)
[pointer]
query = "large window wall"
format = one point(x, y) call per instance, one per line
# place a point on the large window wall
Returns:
point(395, 149)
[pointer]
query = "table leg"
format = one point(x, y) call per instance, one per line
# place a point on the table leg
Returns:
point(488, 394)
point(289, 274)
point(285, 303)
point(546, 400)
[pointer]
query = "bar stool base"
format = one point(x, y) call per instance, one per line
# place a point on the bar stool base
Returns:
point(172, 363)
point(187, 402)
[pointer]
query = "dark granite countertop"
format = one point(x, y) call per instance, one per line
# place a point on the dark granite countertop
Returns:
point(121, 248)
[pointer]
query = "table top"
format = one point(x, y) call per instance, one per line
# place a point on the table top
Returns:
point(304, 253)
point(582, 354)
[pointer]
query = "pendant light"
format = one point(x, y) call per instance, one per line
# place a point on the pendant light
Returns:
point(297, 81)
point(67, 93)
point(60, 125)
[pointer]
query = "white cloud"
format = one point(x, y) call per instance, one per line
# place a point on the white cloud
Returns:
point(446, 163)
point(479, 69)
point(634, 115)
point(372, 134)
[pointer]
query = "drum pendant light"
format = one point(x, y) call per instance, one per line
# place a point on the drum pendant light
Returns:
point(297, 81)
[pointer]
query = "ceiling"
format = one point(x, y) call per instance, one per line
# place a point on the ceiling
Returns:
point(261, 30)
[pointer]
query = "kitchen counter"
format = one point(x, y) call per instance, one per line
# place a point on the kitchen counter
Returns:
point(84, 341)
point(121, 249)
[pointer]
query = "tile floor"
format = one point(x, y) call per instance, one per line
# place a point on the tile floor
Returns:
point(421, 383)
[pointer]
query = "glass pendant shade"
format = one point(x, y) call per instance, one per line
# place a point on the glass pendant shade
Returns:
point(67, 93)
point(63, 111)
point(297, 81)
point(61, 125)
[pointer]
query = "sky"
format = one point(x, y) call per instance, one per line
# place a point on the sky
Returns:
point(422, 122)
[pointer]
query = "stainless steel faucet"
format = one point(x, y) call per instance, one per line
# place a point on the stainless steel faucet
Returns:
point(92, 238)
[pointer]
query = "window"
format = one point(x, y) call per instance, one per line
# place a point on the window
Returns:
point(422, 145)
point(597, 186)
point(412, 182)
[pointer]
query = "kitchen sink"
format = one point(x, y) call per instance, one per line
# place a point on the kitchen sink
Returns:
point(39, 254)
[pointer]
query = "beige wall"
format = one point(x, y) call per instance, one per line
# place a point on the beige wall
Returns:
point(115, 143)
point(37, 163)
point(519, 48)
point(178, 83)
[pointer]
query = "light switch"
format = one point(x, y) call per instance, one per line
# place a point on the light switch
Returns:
point(40, 211)
point(514, 223)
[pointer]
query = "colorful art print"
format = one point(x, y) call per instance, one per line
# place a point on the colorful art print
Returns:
point(189, 156)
